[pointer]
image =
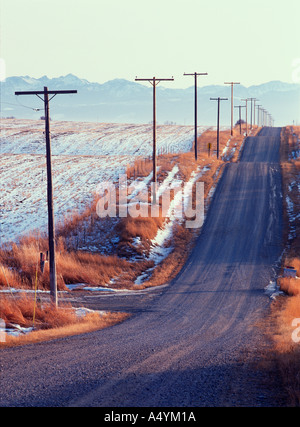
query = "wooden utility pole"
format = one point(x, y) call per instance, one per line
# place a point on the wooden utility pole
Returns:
point(251, 114)
point(232, 86)
point(196, 110)
point(240, 116)
point(246, 100)
point(218, 123)
point(51, 224)
point(263, 117)
point(154, 82)
point(254, 110)
point(258, 115)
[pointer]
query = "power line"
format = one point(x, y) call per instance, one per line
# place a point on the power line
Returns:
point(21, 105)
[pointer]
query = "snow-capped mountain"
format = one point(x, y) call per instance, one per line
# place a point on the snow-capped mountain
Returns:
point(126, 101)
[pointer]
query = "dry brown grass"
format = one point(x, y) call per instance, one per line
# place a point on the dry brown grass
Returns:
point(290, 285)
point(50, 322)
point(286, 309)
point(20, 310)
point(286, 352)
point(289, 137)
point(21, 262)
point(144, 228)
point(90, 324)
point(290, 182)
point(94, 269)
point(9, 277)
point(140, 168)
point(69, 224)
point(210, 136)
point(20, 267)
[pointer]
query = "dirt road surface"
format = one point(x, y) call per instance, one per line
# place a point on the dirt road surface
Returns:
point(195, 342)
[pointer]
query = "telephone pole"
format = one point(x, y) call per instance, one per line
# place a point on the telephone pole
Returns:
point(218, 122)
point(251, 115)
point(154, 82)
point(270, 120)
point(232, 86)
point(240, 115)
point(51, 224)
point(263, 117)
point(246, 100)
point(258, 114)
point(196, 112)
point(255, 101)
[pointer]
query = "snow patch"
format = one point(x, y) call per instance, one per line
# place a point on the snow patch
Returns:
point(273, 290)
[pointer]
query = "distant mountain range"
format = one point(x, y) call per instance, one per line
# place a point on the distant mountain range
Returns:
point(123, 101)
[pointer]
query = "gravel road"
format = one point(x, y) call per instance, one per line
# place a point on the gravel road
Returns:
point(195, 342)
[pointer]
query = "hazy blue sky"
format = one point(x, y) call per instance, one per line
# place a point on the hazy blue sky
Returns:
point(248, 41)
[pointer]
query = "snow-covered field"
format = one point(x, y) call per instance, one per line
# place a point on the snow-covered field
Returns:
point(23, 203)
point(93, 139)
point(84, 155)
